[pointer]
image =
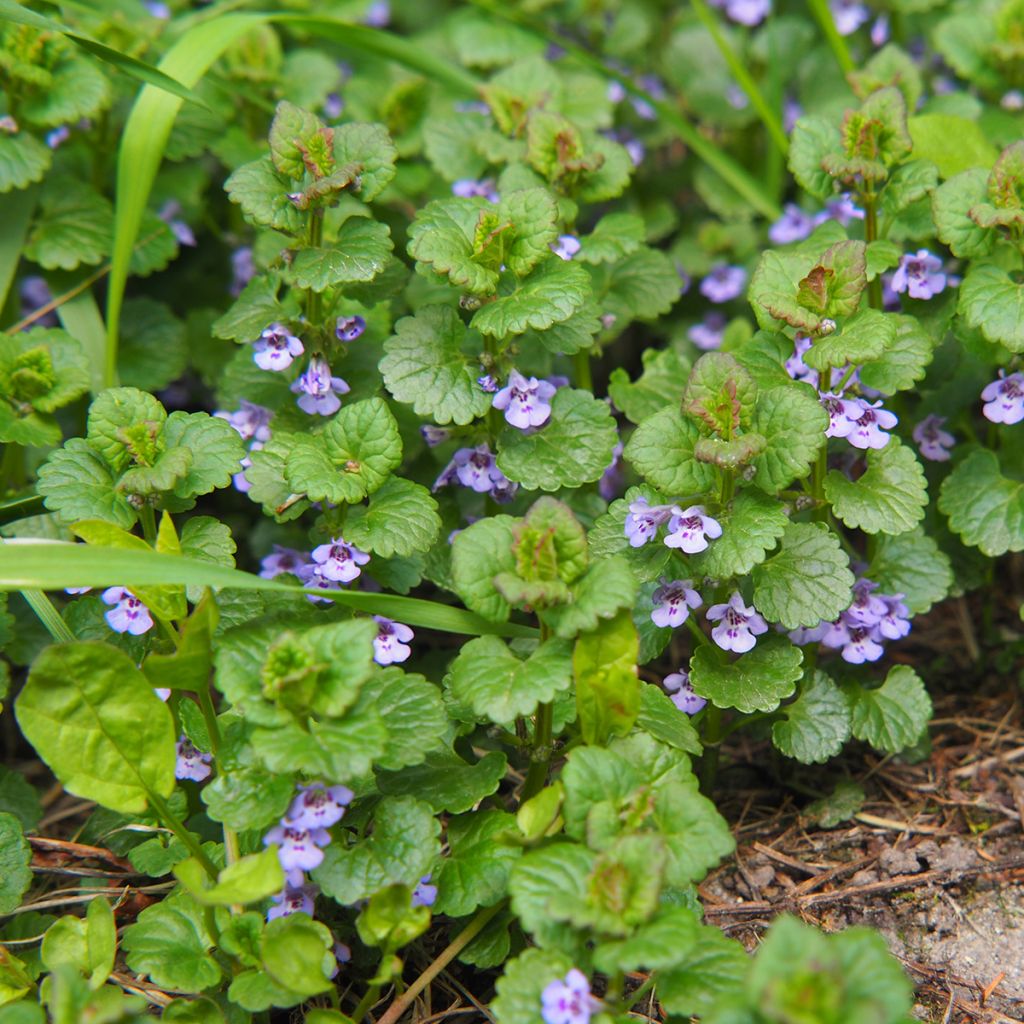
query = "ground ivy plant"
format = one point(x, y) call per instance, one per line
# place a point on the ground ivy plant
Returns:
point(490, 429)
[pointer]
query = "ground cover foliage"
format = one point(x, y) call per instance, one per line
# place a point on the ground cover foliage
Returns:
point(431, 430)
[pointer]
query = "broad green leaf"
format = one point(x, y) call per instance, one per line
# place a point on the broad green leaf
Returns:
point(904, 361)
point(20, 798)
point(445, 782)
point(217, 451)
point(15, 857)
point(773, 291)
point(665, 722)
point(262, 193)
point(425, 365)
point(614, 236)
point(442, 236)
point(665, 941)
point(909, 183)
point(607, 586)
point(359, 253)
point(479, 554)
point(524, 979)
point(547, 887)
point(93, 717)
point(476, 871)
point(794, 423)
point(834, 284)
point(351, 458)
point(912, 564)
point(533, 214)
point(951, 205)
point(888, 498)
point(500, 687)
point(716, 965)
point(72, 227)
point(661, 450)
point(23, 160)
point(247, 798)
point(400, 519)
point(574, 447)
point(845, 801)
point(368, 146)
point(390, 921)
point(756, 681)
point(607, 687)
point(401, 849)
point(43, 367)
point(993, 301)
point(256, 308)
point(720, 393)
point(807, 580)
point(171, 944)
point(864, 337)
point(550, 294)
point(414, 714)
point(643, 286)
point(114, 413)
point(248, 880)
point(751, 525)
point(569, 336)
point(343, 749)
point(155, 351)
point(984, 507)
point(661, 384)
point(813, 137)
point(882, 254)
point(816, 725)
point(86, 945)
point(297, 954)
point(892, 716)
point(954, 144)
point(624, 888)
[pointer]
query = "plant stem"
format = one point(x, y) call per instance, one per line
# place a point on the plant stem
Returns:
point(148, 519)
point(444, 958)
point(841, 52)
point(769, 117)
point(370, 996)
point(584, 376)
point(537, 774)
point(210, 718)
point(314, 299)
point(168, 817)
point(871, 235)
point(711, 740)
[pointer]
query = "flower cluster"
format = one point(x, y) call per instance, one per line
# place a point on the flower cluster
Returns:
point(191, 762)
point(681, 693)
point(128, 614)
point(862, 423)
point(526, 402)
point(253, 425)
point(688, 529)
point(477, 469)
point(568, 1000)
point(1004, 399)
point(860, 631)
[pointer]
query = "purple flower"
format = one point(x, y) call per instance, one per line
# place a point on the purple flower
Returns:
point(842, 414)
point(895, 623)
point(339, 561)
point(434, 435)
point(680, 691)
point(869, 428)
point(866, 609)
point(1012, 101)
point(643, 520)
point(793, 226)
point(809, 634)
point(348, 328)
point(673, 601)
point(75, 591)
point(467, 188)
point(920, 276)
point(848, 15)
point(318, 390)
point(282, 560)
point(312, 575)
point(795, 365)
point(568, 1001)
point(723, 282)
point(880, 30)
point(424, 894)
point(317, 806)
point(181, 231)
point(298, 849)
point(840, 209)
point(1004, 399)
point(708, 334)
point(611, 482)
point(791, 113)
point(566, 247)
point(58, 136)
point(243, 268)
point(487, 384)
point(157, 9)
point(858, 643)
point(636, 151)
point(129, 614)
point(745, 12)
point(739, 625)
point(476, 469)
point(239, 480)
point(525, 402)
point(251, 421)
point(163, 692)
point(334, 106)
point(293, 900)
point(276, 349)
point(8, 125)
point(932, 440)
point(192, 763)
point(378, 14)
point(689, 528)
point(390, 645)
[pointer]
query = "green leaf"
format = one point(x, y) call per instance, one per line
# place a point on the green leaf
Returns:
point(615, 236)
point(912, 564)
point(892, 716)
point(442, 237)
point(292, 133)
point(812, 139)
point(45, 368)
point(15, 857)
point(888, 498)
point(77, 89)
point(262, 193)
point(248, 880)
point(390, 921)
point(984, 507)
point(359, 253)
point(368, 146)
point(297, 954)
point(607, 686)
point(500, 687)
point(665, 722)
point(76, 482)
point(86, 945)
point(720, 393)
point(907, 184)
point(607, 586)
point(20, 798)
point(993, 301)
point(550, 294)
point(533, 214)
point(401, 519)
point(72, 227)
point(445, 782)
point(953, 144)
point(23, 160)
point(834, 284)
point(793, 422)
point(253, 310)
point(216, 448)
point(904, 362)
point(661, 450)
point(524, 979)
point(715, 966)
point(643, 286)
point(401, 849)
point(952, 202)
point(807, 580)
point(479, 553)
point(155, 351)
point(426, 365)
point(414, 713)
point(816, 725)
point(573, 448)
point(864, 337)
point(840, 805)
point(547, 887)
point(663, 942)
point(569, 336)
point(170, 943)
point(751, 525)
point(94, 719)
point(661, 384)
point(248, 798)
point(882, 254)
point(756, 681)
point(351, 458)
point(773, 291)
point(476, 871)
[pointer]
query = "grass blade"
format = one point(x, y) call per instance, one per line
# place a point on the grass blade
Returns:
point(80, 317)
point(52, 565)
point(823, 15)
point(15, 213)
